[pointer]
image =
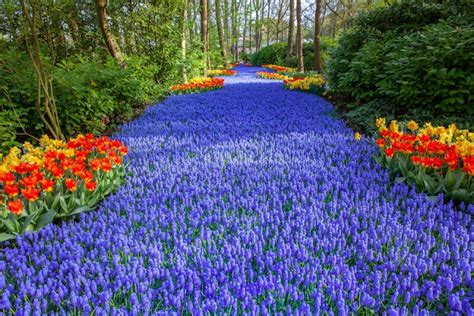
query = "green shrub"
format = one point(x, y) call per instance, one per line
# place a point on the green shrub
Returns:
point(415, 57)
point(432, 69)
point(276, 54)
point(91, 94)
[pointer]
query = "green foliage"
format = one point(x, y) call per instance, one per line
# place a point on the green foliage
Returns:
point(432, 69)
point(416, 58)
point(276, 54)
point(91, 95)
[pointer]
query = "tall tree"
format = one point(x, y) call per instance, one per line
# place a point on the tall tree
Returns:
point(220, 32)
point(103, 20)
point(317, 40)
point(257, 4)
point(299, 37)
point(244, 33)
point(184, 19)
point(281, 12)
point(204, 35)
point(235, 6)
point(291, 26)
point(269, 3)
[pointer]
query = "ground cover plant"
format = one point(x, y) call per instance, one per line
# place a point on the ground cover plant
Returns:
point(198, 85)
point(56, 180)
point(435, 159)
point(250, 199)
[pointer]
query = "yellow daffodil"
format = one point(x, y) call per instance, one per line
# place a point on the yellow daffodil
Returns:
point(393, 126)
point(381, 123)
point(412, 125)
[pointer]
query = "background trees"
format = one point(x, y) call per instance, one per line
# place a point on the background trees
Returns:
point(88, 65)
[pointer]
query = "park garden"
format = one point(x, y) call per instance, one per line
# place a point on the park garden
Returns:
point(236, 157)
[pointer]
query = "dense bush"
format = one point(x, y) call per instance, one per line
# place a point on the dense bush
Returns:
point(416, 58)
point(91, 95)
point(276, 54)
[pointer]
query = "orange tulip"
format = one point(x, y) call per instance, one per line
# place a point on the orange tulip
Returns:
point(16, 206)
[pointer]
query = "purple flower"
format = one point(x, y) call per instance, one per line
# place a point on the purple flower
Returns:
point(252, 199)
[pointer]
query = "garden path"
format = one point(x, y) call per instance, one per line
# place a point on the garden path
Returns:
point(250, 198)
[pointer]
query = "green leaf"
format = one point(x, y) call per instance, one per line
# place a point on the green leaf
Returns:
point(25, 226)
point(64, 207)
point(400, 179)
point(80, 209)
point(10, 225)
point(45, 219)
point(5, 237)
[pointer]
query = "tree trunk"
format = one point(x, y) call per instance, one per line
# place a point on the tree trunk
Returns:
point(220, 32)
point(235, 29)
point(299, 38)
point(204, 34)
point(225, 19)
point(291, 27)
point(317, 40)
point(183, 21)
point(102, 18)
point(269, 3)
point(256, 5)
point(45, 103)
point(244, 35)
point(190, 18)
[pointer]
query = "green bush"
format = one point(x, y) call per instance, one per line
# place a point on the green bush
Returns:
point(432, 69)
point(415, 57)
point(276, 54)
point(91, 95)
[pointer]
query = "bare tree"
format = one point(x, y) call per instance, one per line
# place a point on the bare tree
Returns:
point(291, 27)
point(317, 40)
point(103, 20)
point(299, 37)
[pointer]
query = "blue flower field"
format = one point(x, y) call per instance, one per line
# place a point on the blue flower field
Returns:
point(253, 200)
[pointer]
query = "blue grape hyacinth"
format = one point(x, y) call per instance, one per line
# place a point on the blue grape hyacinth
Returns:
point(250, 200)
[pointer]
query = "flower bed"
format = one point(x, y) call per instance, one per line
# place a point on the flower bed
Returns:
point(435, 159)
point(55, 180)
point(222, 72)
point(271, 75)
point(255, 202)
point(278, 68)
point(198, 85)
point(313, 84)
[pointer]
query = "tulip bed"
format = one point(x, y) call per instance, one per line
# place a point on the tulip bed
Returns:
point(251, 199)
point(271, 75)
point(434, 159)
point(279, 68)
point(198, 85)
point(56, 180)
point(313, 84)
point(221, 72)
